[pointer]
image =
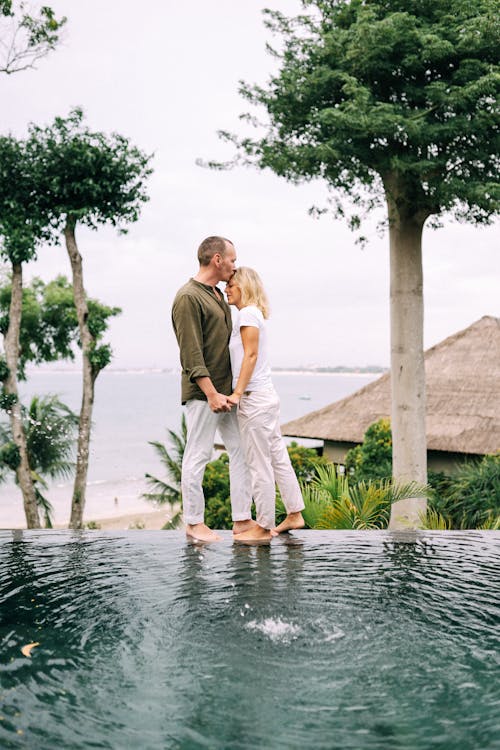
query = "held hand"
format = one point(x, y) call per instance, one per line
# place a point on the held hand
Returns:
point(234, 399)
point(219, 403)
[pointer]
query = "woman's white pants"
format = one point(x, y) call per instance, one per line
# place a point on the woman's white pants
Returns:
point(202, 424)
point(266, 455)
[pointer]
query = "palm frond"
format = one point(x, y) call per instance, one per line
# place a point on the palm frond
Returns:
point(175, 522)
point(163, 493)
point(492, 523)
point(434, 521)
point(316, 501)
point(330, 480)
point(45, 506)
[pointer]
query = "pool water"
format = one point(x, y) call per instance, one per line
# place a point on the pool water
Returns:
point(326, 640)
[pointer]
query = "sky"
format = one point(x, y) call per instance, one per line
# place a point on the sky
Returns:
point(165, 74)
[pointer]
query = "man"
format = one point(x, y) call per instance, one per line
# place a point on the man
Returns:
point(202, 323)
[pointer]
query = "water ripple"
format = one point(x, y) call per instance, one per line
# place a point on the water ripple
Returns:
point(380, 640)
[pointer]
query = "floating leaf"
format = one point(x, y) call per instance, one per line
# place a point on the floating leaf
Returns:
point(26, 650)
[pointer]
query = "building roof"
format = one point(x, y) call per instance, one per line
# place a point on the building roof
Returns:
point(463, 397)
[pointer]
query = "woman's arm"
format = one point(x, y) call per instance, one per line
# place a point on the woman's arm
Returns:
point(250, 340)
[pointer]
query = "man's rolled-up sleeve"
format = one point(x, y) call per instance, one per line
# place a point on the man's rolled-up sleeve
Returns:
point(186, 319)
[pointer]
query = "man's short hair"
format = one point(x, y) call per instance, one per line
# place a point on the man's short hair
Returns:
point(209, 247)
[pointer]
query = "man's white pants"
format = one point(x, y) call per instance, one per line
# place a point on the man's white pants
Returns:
point(202, 424)
point(266, 455)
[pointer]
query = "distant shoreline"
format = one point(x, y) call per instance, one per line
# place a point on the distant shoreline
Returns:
point(339, 370)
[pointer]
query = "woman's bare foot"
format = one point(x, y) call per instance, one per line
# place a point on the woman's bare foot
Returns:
point(240, 526)
point(292, 521)
point(201, 533)
point(255, 534)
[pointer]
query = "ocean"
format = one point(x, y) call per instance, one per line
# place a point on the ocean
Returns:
point(132, 408)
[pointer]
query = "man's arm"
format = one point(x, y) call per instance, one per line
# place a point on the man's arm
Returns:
point(186, 319)
point(216, 401)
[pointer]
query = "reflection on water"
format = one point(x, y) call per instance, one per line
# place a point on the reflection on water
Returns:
point(321, 640)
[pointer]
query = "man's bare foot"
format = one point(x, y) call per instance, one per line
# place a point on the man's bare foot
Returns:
point(240, 526)
point(292, 521)
point(255, 534)
point(201, 533)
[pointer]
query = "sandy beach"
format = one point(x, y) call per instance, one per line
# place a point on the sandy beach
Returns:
point(150, 521)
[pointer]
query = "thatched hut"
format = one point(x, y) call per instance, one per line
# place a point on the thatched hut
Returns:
point(463, 402)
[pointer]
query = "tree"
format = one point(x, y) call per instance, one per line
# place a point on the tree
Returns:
point(25, 37)
point(46, 330)
point(22, 228)
point(49, 324)
point(373, 458)
point(86, 178)
point(50, 427)
point(389, 101)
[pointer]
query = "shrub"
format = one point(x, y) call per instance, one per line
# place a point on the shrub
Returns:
point(216, 491)
point(373, 458)
point(473, 499)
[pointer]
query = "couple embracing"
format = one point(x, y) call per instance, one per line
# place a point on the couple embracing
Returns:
point(226, 385)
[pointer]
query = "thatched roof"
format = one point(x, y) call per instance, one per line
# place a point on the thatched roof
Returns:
point(463, 397)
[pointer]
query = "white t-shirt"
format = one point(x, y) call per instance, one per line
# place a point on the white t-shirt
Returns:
point(261, 376)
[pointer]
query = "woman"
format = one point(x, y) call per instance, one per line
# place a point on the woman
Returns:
point(259, 410)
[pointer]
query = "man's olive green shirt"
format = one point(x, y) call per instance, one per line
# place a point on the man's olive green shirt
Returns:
point(202, 325)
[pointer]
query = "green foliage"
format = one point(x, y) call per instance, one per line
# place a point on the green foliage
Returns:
point(316, 504)
point(162, 492)
point(492, 523)
point(92, 526)
point(216, 491)
point(23, 223)
point(7, 400)
point(50, 428)
point(4, 370)
point(49, 323)
point(99, 357)
point(26, 36)
point(434, 521)
point(373, 458)
point(305, 461)
point(332, 502)
point(385, 96)
point(85, 176)
point(9, 456)
point(474, 495)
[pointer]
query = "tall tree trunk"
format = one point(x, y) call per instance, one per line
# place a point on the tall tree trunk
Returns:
point(23, 472)
point(87, 341)
point(409, 452)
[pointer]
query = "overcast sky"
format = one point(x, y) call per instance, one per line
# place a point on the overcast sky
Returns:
point(166, 75)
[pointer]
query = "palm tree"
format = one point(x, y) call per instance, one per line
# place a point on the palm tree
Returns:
point(163, 493)
point(331, 503)
point(50, 428)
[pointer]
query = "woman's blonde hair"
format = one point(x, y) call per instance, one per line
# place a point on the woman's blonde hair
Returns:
point(252, 289)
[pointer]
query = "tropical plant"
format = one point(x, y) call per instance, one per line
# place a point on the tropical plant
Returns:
point(434, 521)
point(305, 461)
point(373, 458)
point(492, 523)
point(334, 503)
point(50, 427)
point(168, 492)
point(217, 495)
point(392, 104)
point(474, 496)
